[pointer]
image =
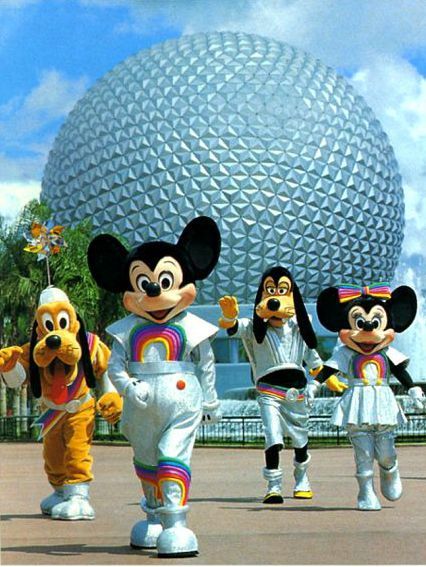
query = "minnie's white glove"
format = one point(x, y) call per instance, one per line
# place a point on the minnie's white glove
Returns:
point(418, 398)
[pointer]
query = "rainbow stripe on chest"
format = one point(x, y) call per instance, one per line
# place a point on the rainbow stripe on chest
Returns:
point(361, 362)
point(171, 337)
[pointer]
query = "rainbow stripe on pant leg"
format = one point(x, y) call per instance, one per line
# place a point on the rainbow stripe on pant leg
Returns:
point(147, 473)
point(174, 470)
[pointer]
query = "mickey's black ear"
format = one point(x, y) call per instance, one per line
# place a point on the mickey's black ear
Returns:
point(305, 325)
point(403, 307)
point(201, 242)
point(107, 257)
point(329, 309)
point(35, 382)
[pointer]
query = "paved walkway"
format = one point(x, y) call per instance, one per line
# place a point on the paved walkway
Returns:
point(232, 525)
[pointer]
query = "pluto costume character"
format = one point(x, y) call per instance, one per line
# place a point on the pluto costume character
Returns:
point(63, 362)
point(278, 341)
point(163, 365)
point(367, 319)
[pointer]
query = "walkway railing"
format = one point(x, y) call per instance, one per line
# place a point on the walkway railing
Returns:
point(232, 430)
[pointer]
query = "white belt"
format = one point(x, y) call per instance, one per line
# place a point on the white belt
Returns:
point(70, 407)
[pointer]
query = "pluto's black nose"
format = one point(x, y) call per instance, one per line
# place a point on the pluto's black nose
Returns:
point(53, 342)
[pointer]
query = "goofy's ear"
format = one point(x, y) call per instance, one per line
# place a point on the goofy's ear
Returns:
point(107, 257)
point(329, 309)
point(35, 382)
point(259, 325)
point(305, 325)
point(403, 307)
point(85, 355)
point(201, 242)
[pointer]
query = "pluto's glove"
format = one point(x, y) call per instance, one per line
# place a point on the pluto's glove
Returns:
point(13, 372)
point(229, 307)
point(110, 406)
point(9, 357)
point(137, 393)
point(418, 398)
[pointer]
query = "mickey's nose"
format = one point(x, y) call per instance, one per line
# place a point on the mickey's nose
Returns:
point(153, 289)
point(53, 341)
point(273, 304)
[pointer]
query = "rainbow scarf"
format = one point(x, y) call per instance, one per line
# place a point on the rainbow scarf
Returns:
point(171, 336)
point(348, 292)
point(168, 470)
point(51, 417)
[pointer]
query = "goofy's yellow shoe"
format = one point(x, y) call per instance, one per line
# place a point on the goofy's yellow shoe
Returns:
point(302, 488)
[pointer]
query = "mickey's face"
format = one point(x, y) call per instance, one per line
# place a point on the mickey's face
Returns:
point(276, 303)
point(158, 294)
point(367, 332)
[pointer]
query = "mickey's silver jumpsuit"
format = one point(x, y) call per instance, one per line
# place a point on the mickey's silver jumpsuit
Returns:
point(176, 362)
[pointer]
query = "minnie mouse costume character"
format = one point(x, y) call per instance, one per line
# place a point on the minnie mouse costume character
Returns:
point(367, 319)
point(163, 365)
point(278, 341)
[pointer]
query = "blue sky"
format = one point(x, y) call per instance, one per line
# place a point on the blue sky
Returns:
point(52, 51)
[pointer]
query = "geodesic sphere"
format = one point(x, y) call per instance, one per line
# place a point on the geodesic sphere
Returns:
point(264, 138)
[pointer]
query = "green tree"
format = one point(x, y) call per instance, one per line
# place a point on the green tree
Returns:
point(23, 277)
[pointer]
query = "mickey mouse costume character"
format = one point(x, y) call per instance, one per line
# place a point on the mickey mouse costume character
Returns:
point(278, 341)
point(163, 365)
point(367, 319)
point(62, 362)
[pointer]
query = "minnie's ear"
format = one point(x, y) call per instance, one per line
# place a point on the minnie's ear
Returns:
point(305, 325)
point(35, 382)
point(107, 257)
point(201, 242)
point(329, 309)
point(403, 307)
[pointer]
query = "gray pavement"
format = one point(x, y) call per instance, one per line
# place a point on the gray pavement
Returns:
point(232, 525)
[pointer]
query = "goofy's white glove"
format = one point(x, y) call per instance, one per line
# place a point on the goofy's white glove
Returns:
point(418, 398)
point(311, 391)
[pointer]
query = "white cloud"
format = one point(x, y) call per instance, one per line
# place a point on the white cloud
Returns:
point(342, 33)
point(29, 123)
point(14, 195)
point(51, 99)
point(397, 94)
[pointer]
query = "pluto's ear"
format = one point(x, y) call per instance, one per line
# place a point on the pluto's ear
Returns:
point(201, 242)
point(329, 309)
point(305, 325)
point(85, 355)
point(403, 307)
point(107, 257)
point(35, 382)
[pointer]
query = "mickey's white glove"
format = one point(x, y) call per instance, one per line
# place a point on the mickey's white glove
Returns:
point(418, 398)
point(211, 413)
point(137, 393)
point(311, 391)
